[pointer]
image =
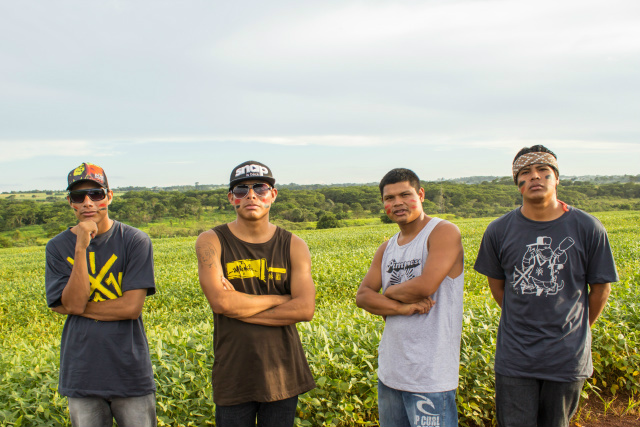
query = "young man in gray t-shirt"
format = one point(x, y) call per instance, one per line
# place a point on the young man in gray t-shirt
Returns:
point(549, 267)
point(98, 274)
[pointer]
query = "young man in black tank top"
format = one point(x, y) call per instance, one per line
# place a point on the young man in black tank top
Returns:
point(257, 279)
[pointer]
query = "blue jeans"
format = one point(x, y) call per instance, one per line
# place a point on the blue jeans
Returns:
point(399, 408)
point(280, 413)
point(528, 402)
point(127, 411)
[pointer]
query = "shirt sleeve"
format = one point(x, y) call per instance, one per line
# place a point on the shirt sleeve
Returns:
point(138, 273)
point(602, 266)
point(56, 277)
point(488, 260)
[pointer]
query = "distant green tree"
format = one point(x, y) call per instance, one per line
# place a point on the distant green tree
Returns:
point(328, 220)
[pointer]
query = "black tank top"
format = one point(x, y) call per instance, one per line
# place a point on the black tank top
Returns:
point(255, 362)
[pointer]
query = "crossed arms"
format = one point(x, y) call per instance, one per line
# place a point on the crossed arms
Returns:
point(128, 306)
point(268, 310)
point(413, 296)
point(75, 295)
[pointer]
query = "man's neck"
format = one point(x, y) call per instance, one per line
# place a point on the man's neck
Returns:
point(542, 210)
point(104, 226)
point(259, 231)
point(410, 230)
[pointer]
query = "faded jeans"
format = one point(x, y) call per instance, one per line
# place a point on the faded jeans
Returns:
point(399, 408)
point(137, 411)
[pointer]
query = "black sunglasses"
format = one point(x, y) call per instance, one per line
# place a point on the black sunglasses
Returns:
point(241, 191)
point(95, 195)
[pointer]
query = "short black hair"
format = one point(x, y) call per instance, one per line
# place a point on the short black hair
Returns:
point(400, 175)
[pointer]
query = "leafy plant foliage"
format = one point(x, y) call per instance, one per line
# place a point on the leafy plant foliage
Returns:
point(341, 341)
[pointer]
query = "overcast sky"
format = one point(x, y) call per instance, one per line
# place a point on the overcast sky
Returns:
point(166, 93)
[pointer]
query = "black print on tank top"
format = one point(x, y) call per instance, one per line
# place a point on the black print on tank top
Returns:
point(540, 267)
point(401, 271)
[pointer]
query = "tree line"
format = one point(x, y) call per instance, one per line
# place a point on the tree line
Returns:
point(302, 204)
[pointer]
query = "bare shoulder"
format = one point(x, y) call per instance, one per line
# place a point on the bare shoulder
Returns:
point(208, 248)
point(299, 251)
point(446, 230)
point(297, 243)
point(207, 237)
point(445, 235)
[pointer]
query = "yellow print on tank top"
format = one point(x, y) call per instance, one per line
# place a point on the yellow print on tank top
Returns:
point(248, 268)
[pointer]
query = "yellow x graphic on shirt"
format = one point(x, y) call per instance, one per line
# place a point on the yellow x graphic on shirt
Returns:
point(96, 279)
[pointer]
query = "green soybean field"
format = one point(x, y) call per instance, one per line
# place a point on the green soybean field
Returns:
point(341, 342)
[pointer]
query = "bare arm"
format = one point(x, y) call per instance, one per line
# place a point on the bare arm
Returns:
point(75, 294)
point(497, 289)
point(445, 258)
point(227, 301)
point(598, 295)
point(370, 299)
point(303, 292)
point(128, 306)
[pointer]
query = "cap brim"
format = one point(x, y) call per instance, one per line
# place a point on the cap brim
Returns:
point(270, 180)
point(84, 180)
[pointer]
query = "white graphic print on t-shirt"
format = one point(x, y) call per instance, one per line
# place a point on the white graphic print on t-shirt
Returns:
point(540, 266)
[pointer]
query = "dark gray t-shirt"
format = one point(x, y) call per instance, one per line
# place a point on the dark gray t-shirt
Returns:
point(103, 359)
point(544, 326)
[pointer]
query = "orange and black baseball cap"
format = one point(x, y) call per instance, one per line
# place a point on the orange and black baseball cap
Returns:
point(87, 172)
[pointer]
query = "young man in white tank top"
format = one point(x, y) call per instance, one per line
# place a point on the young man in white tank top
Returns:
point(420, 274)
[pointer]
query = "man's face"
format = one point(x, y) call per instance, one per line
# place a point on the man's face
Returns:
point(256, 203)
point(537, 182)
point(402, 203)
point(89, 210)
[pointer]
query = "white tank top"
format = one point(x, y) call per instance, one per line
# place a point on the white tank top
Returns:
point(420, 353)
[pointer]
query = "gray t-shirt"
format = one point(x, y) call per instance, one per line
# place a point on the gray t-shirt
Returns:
point(544, 328)
point(420, 353)
point(103, 359)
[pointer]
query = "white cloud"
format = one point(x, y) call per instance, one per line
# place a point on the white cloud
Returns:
point(11, 151)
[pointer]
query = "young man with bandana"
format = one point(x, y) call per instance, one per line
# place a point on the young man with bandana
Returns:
point(98, 274)
point(257, 279)
point(549, 268)
point(416, 283)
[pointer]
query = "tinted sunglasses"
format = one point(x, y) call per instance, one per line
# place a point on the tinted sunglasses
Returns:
point(95, 195)
point(241, 191)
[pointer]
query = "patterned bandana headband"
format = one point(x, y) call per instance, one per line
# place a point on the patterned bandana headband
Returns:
point(533, 159)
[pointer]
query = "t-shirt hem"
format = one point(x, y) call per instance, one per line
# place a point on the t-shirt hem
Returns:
point(416, 388)
point(265, 398)
point(542, 376)
point(107, 394)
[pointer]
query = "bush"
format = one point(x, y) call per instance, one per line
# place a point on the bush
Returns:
point(385, 219)
point(328, 220)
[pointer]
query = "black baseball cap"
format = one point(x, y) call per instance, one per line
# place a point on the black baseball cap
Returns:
point(251, 170)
